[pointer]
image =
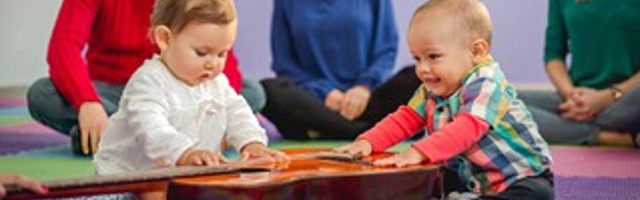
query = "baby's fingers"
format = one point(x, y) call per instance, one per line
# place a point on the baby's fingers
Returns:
point(196, 160)
point(403, 163)
point(245, 156)
point(209, 160)
point(343, 149)
point(212, 159)
point(392, 160)
point(222, 159)
point(386, 161)
point(281, 156)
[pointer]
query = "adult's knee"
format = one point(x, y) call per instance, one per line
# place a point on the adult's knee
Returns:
point(279, 91)
point(275, 84)
point(37, 95)
point(622, 120)
point(254, 93)
point(547, 100)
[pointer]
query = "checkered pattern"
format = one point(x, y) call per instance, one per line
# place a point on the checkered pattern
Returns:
point(511, 150)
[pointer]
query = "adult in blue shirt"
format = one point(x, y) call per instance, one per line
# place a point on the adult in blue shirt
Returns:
point(332, 58)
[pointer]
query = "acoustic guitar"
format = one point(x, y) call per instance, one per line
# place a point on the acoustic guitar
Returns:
point(311, 174)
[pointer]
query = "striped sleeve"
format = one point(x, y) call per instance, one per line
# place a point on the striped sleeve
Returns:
point(418, 102)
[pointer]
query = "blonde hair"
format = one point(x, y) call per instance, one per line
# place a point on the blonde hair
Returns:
point(470, 16)
point(176, 14)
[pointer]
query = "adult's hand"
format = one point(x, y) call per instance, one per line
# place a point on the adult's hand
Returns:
point(20, 181)
point(593, 101)
point(334, 99)
point(355, 102)
point(572, 108)
point(92, 120)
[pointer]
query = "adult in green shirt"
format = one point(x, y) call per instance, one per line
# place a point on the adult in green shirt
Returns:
point(597, 96)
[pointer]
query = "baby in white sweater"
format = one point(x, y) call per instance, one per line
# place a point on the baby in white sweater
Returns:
point(178, 108)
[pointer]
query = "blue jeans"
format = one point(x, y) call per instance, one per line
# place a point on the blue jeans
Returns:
point(49, 107)
point(623, 115)
point(253, 92)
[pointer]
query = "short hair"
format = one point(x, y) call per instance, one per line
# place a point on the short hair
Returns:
point(471, 16)
point(176, 14)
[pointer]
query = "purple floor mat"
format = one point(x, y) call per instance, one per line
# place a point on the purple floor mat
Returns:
point(31, 127)
point(582, 188)
point(269, 127)
point(7, 101)
point(13, 143)
point(595, 162)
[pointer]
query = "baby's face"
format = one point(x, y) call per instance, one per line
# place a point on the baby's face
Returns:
point(199, 52)
point(442, 56)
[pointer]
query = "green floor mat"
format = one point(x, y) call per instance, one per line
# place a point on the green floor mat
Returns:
point(45, 169)
point(14, 120)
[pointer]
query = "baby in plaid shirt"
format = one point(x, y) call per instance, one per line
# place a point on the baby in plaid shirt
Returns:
point(476, 126)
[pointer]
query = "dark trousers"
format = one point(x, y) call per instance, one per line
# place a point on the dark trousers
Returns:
point(531, 188)
point(299, 115)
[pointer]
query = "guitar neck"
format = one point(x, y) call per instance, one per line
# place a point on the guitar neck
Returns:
point(152, 180)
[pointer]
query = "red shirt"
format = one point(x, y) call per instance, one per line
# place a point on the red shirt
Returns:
point(116, 32)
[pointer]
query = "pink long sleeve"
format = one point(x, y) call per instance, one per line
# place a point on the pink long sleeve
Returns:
point(394, 128)
point(454, 138)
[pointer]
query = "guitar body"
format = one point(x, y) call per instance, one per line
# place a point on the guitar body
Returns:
point(313, 178)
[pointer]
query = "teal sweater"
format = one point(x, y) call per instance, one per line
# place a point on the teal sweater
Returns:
point(603, 37)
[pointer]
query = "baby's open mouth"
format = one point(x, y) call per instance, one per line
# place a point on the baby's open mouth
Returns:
point(206, 76)
point(431, 81)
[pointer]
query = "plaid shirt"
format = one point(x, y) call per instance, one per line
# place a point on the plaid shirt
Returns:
point(511, 149)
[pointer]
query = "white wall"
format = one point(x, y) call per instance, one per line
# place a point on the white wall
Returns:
point(518, 37)
point(25, 29)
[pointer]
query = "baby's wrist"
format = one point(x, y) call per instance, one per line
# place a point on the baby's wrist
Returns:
point(252, 145)
point(368, 145)
point(183, 157)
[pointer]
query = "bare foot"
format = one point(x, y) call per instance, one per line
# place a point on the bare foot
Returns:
point(614, 138)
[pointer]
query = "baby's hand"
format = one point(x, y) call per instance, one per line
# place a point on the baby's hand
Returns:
point(409, 157)
point(357, 148)
point(200, 157)
point(258, 150)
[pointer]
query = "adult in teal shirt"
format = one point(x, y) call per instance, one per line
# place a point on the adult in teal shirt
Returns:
point(332, 59)
point(597, 96)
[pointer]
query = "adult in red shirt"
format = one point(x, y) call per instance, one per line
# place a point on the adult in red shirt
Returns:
point(95, 47)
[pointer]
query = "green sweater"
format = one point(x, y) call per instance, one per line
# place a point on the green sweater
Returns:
point(603, 37)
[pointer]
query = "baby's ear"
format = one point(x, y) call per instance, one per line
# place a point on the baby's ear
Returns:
point(480, 50)
point(161, 35)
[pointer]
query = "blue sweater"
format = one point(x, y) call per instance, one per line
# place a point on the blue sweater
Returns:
point(323, 45)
